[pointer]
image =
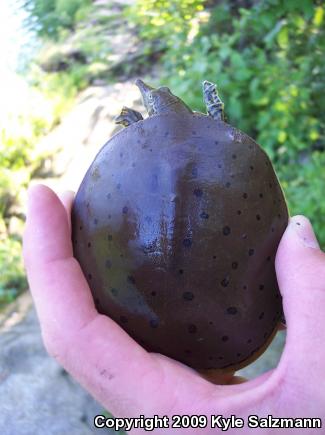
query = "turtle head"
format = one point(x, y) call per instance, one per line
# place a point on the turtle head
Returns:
point(160, 100)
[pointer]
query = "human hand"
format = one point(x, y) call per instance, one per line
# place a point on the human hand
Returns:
point(129, 381)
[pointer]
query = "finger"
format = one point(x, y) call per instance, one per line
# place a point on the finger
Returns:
point(300, 266)
point(56, 282)
point(67, 198)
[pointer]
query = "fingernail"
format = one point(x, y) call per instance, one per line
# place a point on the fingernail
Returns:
point(304, 230)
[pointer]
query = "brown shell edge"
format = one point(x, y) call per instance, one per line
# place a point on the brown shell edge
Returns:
point(210, 374)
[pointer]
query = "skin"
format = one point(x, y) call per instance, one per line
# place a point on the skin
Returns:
point(129, 381)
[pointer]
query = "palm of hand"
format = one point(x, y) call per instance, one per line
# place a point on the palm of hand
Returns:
point(129, 381)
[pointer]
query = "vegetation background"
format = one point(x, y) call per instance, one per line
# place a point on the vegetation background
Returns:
point(267, 58)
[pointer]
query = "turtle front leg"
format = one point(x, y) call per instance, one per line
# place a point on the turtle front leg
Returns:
point(128, 116)
point(215, 107)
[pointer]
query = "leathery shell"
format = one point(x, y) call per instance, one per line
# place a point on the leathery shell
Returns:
point(176, 226)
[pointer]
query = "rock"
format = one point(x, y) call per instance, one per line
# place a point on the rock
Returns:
point(37, 396)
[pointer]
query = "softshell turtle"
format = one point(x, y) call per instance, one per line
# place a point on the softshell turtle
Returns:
point(176, 226)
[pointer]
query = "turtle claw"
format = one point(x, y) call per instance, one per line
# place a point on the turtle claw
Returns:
point(213, 103)
point(128, 116)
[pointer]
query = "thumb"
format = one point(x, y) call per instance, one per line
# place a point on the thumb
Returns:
point(300, 268)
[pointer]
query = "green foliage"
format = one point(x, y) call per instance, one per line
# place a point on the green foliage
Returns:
point(168, 20)
point(13, 279)
point(34, 115)
point(268, 63)
point(49, 18)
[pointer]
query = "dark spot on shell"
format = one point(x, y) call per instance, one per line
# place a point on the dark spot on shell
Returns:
point(90, 276)
point(109, 237)
point(251, 252)
point(245, 287)
point(279, 216)
point(238, 354)
point(268, 258)
point(258, 217)
point(109, 216)
point(123, 319)
point(297, 223)
point(154, 323)
point(226, 230)
point(225, 338)
point(80, 228)
point(166, 133)
point(150, 149)
point(219, 166)
point(108, 264)
point(251, 168)
point(153, 293)
point(238, 212)
point(261, 195)
point(131, 279)
point(108, 196)
point(249, 340)
point(188, 296)
point(272, 229)
point(204, 215)
point(245, 195)
point(225, 281)
point(194, 172)
point(228, 184)
point(89, 244)
point(193, 132)
point(133, 165)
point(118, 186)
point(198, 192)
point(234, 156)
point(121, 154)
point(187, 243)
point(210, 323)
point(234, 265)
point(192, 329)
point(261, 315)
point(220, 357)
point(125, 210)
point(181, 271)
point(216, 142)
point(232, 310)
point(214, 257)
point(114, 291)
point(261, 287)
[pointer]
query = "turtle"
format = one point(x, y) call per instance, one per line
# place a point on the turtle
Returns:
point(176, 226)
